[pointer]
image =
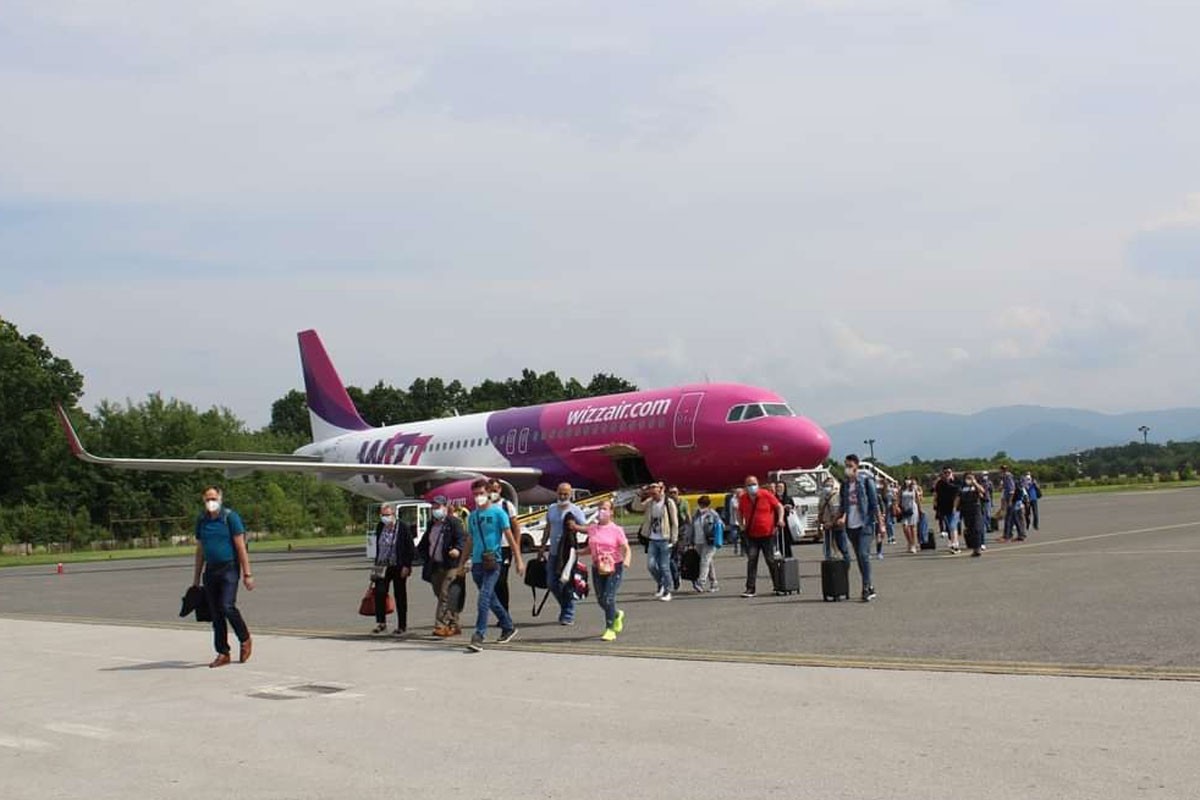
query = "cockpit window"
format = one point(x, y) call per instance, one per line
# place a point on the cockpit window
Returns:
point(735, 414)
point(754, 411)
point(777, 410)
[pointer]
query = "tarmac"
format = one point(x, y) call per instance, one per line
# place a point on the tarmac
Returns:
point(962, 679)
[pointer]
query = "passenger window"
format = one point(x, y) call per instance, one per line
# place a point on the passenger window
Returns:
point(735, 414)
point(753, 412)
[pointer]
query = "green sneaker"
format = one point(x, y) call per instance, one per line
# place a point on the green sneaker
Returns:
point(619, 622)
point(609, 635)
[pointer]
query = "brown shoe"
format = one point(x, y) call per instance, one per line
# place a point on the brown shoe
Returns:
point(244, 652)
point(455, 630)
point(441, 631)
point(221, 660)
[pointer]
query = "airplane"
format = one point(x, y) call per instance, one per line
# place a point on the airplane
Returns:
point(699, 437)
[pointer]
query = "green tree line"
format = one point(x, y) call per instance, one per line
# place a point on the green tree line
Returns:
point(47, 496)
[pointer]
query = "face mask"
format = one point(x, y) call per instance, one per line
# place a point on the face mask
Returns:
point(387, 520)
point(213, 506)
point(439, 513)
point(481, 500)
point(604, 515)
point(494, 496)
point(752, 489)
point(563, 502)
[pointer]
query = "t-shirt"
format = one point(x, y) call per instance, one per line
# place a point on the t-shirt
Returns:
point(854, 517)
point(969, 502)
point(946, 492)
point(439, 529)
point(762, 524)
point(554, 519)
point(487, 530)
point(610, 539)
point(658, 511)
point(216, 536)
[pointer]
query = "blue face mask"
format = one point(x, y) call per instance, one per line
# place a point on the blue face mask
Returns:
point(752, 489)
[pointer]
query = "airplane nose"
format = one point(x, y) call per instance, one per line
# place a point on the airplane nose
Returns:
point(815, 444)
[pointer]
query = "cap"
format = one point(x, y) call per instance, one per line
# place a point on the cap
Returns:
point(440, 500)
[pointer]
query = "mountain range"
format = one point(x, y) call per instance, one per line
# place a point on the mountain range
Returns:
point(1023, 432)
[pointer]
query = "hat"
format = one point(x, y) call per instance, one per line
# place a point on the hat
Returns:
point(440, 500)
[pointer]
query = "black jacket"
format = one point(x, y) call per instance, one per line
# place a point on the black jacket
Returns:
point(453, 539)
point(405, 548)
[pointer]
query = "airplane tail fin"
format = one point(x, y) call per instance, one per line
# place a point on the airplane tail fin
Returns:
point(330, 409)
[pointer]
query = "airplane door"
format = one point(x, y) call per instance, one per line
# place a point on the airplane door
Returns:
point(523, 442)
point(510, 444)
point(685, 419)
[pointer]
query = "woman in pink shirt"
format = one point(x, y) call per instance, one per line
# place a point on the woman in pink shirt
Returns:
point(610, 557)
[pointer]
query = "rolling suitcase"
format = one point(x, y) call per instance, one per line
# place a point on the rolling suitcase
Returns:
point(786, 574)
point(928, 540)
point(835, 575)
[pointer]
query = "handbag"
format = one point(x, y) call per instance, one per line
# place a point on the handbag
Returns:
point(366, 606)
point(605, 564)
point(378, 572)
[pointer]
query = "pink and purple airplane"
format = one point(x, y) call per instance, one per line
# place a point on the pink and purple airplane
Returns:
point(699, 437)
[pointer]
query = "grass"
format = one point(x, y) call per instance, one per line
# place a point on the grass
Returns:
point(263, 546)
point(1120, 487)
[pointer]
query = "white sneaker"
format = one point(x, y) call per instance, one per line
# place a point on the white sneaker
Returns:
point(666, 598)
point(658, 595)
point(983, 547)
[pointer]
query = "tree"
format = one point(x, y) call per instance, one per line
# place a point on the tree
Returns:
point(32, 380)
point(602, 383)
point(289, 415)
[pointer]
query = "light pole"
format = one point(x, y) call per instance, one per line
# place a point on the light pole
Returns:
point(1145, 431)
point(871, 444)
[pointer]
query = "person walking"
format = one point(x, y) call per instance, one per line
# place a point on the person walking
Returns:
point(564, 518)
point(1008, 492)
point(441, 550)
point(945, 503)
point(829, 516)
point(487, 527)
point(733, 520)
point(971, 498)
point(394, 555)
point(708, 536)
point(910, 512)
point(1033, 491)
point(611, 556)
point(861, 518)
point(683, 540)
point(660, 527)
point(762, 516)
point(221, 556)
point(496, 495)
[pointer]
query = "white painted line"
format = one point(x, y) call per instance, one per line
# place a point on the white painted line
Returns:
point(24, 743)
point(79, 729)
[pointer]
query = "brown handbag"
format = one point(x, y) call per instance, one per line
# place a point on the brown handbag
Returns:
point(366, 606)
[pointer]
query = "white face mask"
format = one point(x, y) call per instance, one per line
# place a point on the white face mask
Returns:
point(481, 500)
point(213, 506)
point(494, 496)
point(386, 519)
point(439, 513)
point(563, 503)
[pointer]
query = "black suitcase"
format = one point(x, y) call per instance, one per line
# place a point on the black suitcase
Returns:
point(786, 574)
point(835, 580)
point(689, 567)
point(926, 534)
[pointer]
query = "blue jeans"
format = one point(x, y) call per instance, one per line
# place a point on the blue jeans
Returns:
point(221, 585)
point(951, 521)
point(606, 592)
point(659, 563)
point(987, 520)
point(838, 536)
point(863, 539)
point(889, 523)
point(486, 583)
point(566, 600)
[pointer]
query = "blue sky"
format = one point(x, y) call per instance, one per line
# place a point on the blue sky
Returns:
point(867, 205)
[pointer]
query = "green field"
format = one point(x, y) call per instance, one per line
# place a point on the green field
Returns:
point(263, 546)
point(1121, 487)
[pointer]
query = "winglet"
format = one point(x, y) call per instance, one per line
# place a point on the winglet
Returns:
point(77, 448)
point(330, 409)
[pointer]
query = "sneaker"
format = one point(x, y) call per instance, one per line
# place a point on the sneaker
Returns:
point(476, 645)
point(945, 535)
point(891, 541)
point(380, 628)
point(879, 556)
point(609, 635)
point(869, 594)
point(976, 554)
point(912, 551)
point(983, 547)
point(659, 593)
point(399, 632)
point(566, 623)
point(749, 594)
point(697, 588)
point(715, 588)
point(619, 623)
point(666, 598)
point(507, 636)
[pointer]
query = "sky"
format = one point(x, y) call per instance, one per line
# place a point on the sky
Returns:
point(866, 205)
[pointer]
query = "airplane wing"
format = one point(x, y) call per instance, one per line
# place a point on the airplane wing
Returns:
point(239, 464)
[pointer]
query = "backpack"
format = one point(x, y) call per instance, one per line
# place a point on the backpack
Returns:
point(224, 517)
